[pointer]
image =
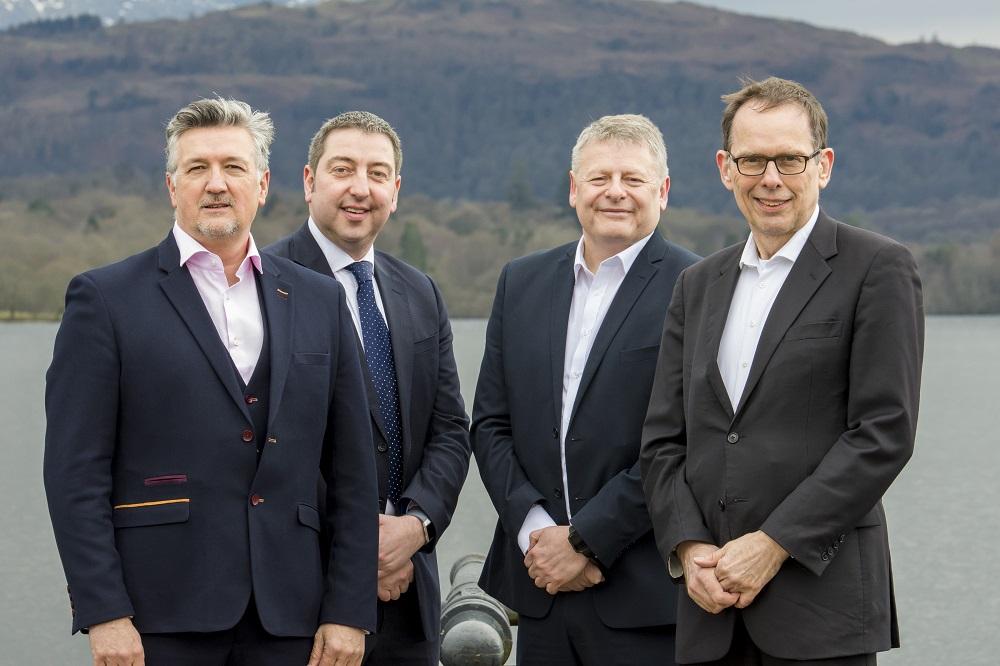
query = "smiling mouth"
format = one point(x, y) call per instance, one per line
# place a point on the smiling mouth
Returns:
point(770, 203)
point(216, 206)
point(355, 211)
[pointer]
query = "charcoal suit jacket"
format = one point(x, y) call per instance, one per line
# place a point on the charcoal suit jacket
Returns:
point(825, 423)
point(160, 507)
point(517, 417)
point(434, 423)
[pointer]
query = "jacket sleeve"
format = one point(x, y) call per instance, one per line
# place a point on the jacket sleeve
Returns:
point(503, 476)
point(81, 406)
point(352, 489)
point(883, 396)
point(436, 485)
point(673, 509)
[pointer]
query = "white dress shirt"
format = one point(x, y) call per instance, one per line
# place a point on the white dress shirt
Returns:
point(235, 310)
point(592, 296)
point(759, 283)
point(339, 261)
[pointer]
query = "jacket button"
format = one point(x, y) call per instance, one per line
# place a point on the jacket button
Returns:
point(555, 433)
point(247, 435)
point(256, 499)
point(250, 399)
point(733, 437)
point(382, 447)
point(557, 492)
point(722, 505)
point(825, 556)
point(836, 546)
point(841, 538)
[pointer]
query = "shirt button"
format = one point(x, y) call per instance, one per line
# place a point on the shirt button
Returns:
point(576, 374)
point(256, 499)
point(733, 437)
point(236, 342)
point(753, 324)
point(247, 435)
point(744, 364)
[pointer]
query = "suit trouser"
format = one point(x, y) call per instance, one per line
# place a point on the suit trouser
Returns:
point(573, 634)
point(399, 640)
point(743, 652)
point(246, 644)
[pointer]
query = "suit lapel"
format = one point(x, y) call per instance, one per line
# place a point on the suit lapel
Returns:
point(305, 251)
point(646, 264)
point(400, 322)
point(719, 298)
point(561, 290)
point(278, 305)
point(808, 273)
point(182, 293)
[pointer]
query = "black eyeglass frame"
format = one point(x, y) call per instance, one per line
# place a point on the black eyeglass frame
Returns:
point(767, 160)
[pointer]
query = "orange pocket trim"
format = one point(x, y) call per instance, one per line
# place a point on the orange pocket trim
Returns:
point(158, 503)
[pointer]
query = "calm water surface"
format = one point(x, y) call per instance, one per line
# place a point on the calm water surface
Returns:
point(940, 508)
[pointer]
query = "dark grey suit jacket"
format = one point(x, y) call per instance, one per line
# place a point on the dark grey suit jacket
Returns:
point(825, 423)
point(434, 423)
point(516, 422)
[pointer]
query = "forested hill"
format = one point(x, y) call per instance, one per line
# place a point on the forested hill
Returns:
point(489, 95)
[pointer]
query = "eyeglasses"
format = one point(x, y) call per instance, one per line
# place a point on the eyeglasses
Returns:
point(787, 165)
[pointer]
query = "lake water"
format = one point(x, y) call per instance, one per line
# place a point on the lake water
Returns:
point(940, 509)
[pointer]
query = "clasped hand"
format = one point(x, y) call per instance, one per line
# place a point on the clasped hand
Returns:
point(555, 566)
point(732, 575)
point(399, 537)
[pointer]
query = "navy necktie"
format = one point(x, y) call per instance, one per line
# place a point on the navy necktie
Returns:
point(381, 367)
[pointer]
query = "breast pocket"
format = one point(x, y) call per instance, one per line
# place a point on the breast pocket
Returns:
point(814, 330)
point(312, 358)
point(638, 356)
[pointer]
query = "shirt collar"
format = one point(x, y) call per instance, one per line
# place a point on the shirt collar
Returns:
point(789, 251)
point(335, 256)
point(625, 258)
point(190, 249)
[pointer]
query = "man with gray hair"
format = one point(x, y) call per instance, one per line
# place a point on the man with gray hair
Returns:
point(558, 415)
point(351, 184)
point(198, 392)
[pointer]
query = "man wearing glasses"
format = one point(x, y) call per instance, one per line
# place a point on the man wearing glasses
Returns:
point(784, 404)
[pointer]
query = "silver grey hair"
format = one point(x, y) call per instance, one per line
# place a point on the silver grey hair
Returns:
point(220, 112)
point(624, 128)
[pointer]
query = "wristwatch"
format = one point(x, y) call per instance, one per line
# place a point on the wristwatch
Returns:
point(579, 545)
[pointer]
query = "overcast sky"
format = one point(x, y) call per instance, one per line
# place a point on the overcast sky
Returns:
point(955, 22)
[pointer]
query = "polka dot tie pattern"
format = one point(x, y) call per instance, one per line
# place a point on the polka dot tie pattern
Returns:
point(381, 367)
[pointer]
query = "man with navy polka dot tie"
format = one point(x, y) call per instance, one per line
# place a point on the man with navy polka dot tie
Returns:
point(418, 418)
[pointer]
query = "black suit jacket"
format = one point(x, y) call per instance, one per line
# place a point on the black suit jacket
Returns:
point(149, 476)
point(825, 423)
point(434, 424)
point(516, 422)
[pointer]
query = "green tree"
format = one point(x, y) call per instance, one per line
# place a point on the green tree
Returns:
point(411, 247)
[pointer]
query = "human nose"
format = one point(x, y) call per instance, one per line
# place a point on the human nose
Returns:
point(616, 190)
point(216, 181)
point(359, 185)
point(771, 176)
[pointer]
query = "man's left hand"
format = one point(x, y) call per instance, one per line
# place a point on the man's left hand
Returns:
point(337, 645)
point(745, 565)
point(399, 537)
point(551, 561)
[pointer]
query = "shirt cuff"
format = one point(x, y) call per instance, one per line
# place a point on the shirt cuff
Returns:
point(536, 519)
point(674, 566)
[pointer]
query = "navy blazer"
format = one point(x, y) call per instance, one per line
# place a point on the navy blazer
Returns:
point(435, 428)
point(825, 423)
point(160, 508)
point(516, 422)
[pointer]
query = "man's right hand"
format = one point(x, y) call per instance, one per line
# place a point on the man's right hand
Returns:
point(702, 585)
point(116, 643)
point(392, 584)
point(589, 577)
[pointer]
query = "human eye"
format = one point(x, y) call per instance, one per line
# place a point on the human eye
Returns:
point(236, 168)
point(379, 174)
point(635, 180)
point(752, 161)
point(340, 170)
point(790, 161)
point(597, 180)
point(196, 168)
